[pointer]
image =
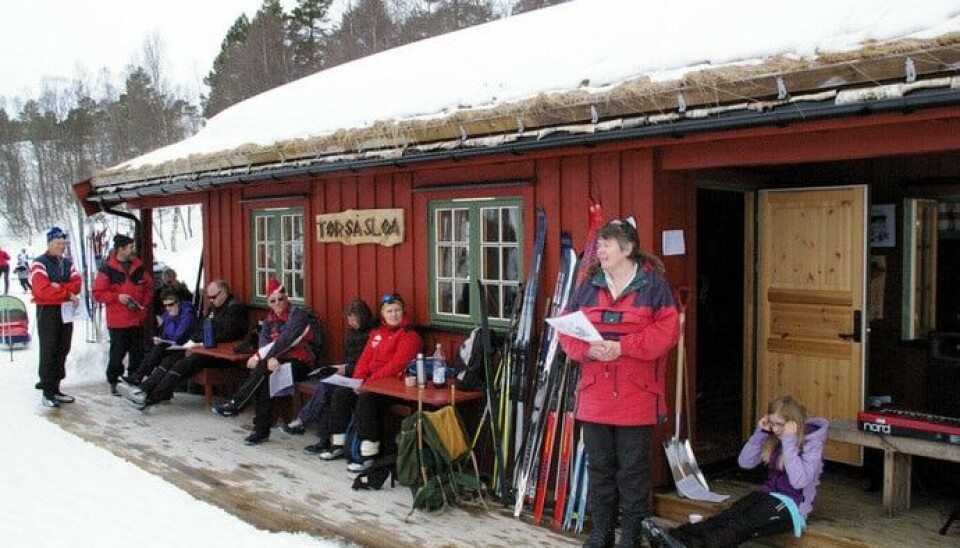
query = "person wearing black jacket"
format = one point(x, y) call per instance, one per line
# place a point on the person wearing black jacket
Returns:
point(360, 321)
point(169, 282)
point(229, 318)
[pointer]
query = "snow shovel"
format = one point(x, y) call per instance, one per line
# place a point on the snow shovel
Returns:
point(679, 453)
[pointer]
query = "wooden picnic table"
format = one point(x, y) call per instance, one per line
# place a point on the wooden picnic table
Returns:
point(432, 396)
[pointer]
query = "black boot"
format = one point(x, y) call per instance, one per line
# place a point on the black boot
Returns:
point(602, 523)
point(658, 537)
point(629, 534)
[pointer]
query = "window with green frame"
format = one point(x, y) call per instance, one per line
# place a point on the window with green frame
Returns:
point(475, 239)
point(278, 251)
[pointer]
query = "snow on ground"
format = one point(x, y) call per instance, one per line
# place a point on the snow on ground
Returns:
point(58, 490)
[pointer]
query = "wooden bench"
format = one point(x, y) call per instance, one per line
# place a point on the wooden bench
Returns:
point(898, 452)
point(226, 377)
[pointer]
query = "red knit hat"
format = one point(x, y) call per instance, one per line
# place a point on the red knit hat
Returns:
point(274, 286)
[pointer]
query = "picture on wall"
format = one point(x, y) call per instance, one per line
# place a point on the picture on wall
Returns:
point(883, 225)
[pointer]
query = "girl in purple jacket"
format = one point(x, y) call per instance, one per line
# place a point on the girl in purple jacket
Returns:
point(791, 447)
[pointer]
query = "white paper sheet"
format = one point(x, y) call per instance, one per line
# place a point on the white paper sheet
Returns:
point(691, 488)
point(184, 346)
point(340, 380)
point(264, 349)
point(281, 381)
point(68, 311)
point(673, 243)
point(576, 325)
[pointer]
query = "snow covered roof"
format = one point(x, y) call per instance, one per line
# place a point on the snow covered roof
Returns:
point(572, 67)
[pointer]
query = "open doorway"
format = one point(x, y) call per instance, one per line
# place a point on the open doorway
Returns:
point(720, 324)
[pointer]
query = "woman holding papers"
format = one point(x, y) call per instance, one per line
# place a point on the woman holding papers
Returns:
point(389, 349)
point(620, 396)
point(790, 446)
point(283, 340)
point(176, 324)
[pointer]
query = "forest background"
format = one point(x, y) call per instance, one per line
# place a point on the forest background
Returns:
point(67, 130)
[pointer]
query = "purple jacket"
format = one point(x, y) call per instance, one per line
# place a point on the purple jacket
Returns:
point(801, 471)
point(178, 328)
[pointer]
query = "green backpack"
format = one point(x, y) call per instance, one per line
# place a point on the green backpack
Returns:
point(435, 470)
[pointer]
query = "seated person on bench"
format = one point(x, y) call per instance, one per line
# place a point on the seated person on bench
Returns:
point(229, 318)
point(389, 349)
point(791, 446)
point(177, 323)
point(288, 328)
point(360, 321)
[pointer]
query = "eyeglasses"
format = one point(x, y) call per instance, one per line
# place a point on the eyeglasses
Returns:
point(391, 298)
point(169, 305)
point(276, 300)
point(215, 295)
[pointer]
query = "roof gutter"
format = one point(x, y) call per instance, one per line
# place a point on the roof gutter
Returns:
point(743, 119)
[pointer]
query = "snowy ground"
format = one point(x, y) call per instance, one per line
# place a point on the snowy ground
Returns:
point(58, 490)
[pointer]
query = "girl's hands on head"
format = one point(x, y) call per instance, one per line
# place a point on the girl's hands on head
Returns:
point(790, 429)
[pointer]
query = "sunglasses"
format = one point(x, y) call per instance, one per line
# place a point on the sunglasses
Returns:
point(391, 298)
point(169, 305)
point(215, 295)
point(276, 300)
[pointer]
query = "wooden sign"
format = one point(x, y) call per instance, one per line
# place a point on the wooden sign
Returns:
point(361, 226)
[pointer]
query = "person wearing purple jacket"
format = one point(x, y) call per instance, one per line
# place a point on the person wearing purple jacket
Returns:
point(793, 456)
point(177, 322)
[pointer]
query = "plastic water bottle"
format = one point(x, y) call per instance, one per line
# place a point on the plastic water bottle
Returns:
point(209, 339)
point(439, 367)
point(421, 374)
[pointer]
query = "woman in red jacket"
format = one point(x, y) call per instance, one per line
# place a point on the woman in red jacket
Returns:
point(389, 349)
point(125, 286)
point(620, 396)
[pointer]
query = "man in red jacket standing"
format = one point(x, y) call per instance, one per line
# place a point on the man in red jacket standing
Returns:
point(125, 286)
point(54, 282)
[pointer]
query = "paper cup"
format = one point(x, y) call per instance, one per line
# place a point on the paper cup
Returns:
point(696, 518)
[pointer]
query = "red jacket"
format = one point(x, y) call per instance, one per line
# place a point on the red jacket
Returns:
point(628, 391)
point(4, 258)
point(113, 280)
point(388, 351)
point(46, 270)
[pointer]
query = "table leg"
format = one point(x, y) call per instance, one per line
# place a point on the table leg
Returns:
point(896, 481)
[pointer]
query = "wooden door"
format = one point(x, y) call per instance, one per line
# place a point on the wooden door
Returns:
point(810, 329)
